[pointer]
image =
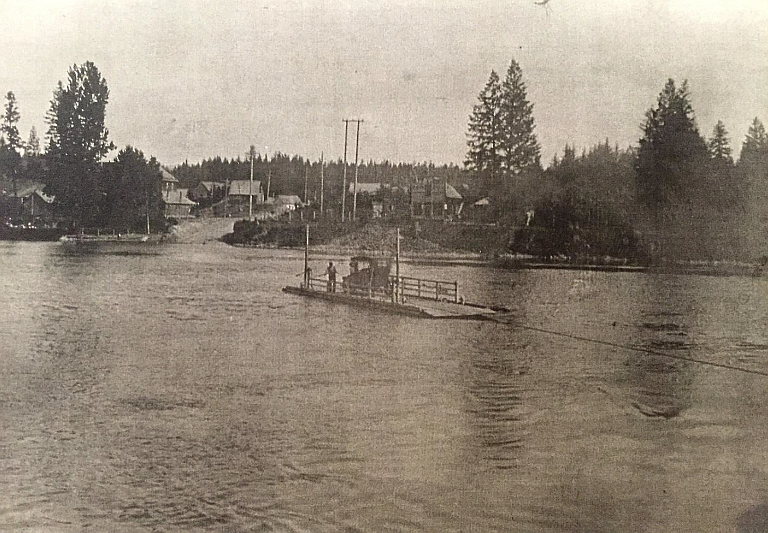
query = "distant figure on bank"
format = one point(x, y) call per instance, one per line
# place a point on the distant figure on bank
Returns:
point(331, 271)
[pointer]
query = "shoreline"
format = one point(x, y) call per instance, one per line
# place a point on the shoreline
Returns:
point(693, 267)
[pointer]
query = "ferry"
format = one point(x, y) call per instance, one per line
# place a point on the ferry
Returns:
point(101, 237)
point(371, 284)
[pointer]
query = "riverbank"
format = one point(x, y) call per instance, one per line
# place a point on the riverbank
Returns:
point(454, 248)
point(10, 233)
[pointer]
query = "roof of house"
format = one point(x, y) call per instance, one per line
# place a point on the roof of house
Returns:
point(288, 199)
point(365, 188)
point(44, 197)
point(242, 188)
point(167, 176)
point(452, 193)
point(212, 185)
point(177, 197)
point(30, 189)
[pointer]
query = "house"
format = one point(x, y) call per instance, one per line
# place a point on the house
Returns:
point(240, 190)
point(28, 202)
point(435, 198)
point(291, 201)
point(168, 182)
point(370, 189)
point(31, 204)
point(177, 205)
point(37, 206)
point(205, 190)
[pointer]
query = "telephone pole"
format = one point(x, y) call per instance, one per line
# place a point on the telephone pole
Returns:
point(269, 174)
point(322, 185)
point(354, 197)
point(250, 187)
point(346, 122)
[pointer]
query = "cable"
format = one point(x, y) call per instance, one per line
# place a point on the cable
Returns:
point(635, 348)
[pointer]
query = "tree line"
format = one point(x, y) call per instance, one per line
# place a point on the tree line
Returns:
point(286, 174)
point(123, 194)
point(674, 181)
point(676, 187)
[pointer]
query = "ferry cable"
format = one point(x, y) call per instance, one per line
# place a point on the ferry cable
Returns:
point(638, 349)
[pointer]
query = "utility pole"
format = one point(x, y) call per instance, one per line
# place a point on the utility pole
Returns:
point(432, 198)
point(269, 175)
point(346, 122)
point(306, 170)
point(322, 185)
point(354, 197)
point(250, 187)
point(226, 197)
point(147, 206)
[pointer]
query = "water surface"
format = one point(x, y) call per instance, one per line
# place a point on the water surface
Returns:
point(177, 388)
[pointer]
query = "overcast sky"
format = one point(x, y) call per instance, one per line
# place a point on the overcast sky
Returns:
point(192, 79)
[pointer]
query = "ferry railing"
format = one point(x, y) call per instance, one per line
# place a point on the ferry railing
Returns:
point(364, 289)
point(428, 289)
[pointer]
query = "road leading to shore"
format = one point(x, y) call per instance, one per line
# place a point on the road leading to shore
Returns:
point(202, 230)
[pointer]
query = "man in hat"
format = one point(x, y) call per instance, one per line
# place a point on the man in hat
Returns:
point(331, 271)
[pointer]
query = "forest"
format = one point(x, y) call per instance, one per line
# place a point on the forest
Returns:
point(675, 194)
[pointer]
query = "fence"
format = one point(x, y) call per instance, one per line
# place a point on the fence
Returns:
point(408, 287)
point(428, 289)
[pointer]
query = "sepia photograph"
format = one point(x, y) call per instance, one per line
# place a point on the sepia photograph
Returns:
point(383, 266)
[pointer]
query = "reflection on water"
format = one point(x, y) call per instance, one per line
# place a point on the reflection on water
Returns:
point(176, 388)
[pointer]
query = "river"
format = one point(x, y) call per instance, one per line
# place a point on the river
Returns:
point(176, 388)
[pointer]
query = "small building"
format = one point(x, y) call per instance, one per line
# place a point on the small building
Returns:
point(435, 198)
point(205, 190)
point(29, 203)
point(38, 206)
point(177, 205)
point(371, 189)
point(241, 190)
point(291, 201)
point(168, 182)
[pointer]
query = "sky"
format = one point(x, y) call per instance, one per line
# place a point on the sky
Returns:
point(192, 79)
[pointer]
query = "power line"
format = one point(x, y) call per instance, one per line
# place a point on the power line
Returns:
point(638, 349)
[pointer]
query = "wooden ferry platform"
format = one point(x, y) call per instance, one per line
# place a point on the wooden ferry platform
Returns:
point(416, 307)
point(370, 285)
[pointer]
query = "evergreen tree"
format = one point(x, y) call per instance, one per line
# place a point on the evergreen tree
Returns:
point(33, 144)
point(719, 144)
point(754, 151)
point(753, 162)
point(722, 190)
point(671, 151)
point(132, 192)
point(519, 145)
point(77, 142)
point(11, 145)
point(11, 118)
point(486, 133)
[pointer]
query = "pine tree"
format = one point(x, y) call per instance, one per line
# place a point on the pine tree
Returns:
point(77, 142)
point(722, 190)
point(753, 161)
point(33, 144)
point(754, 151)
point(485, 133)
point(132, 192)
point(519, 145)
point(10, 120)
point(719, 144)
point(671, 151)
point(11, 145)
